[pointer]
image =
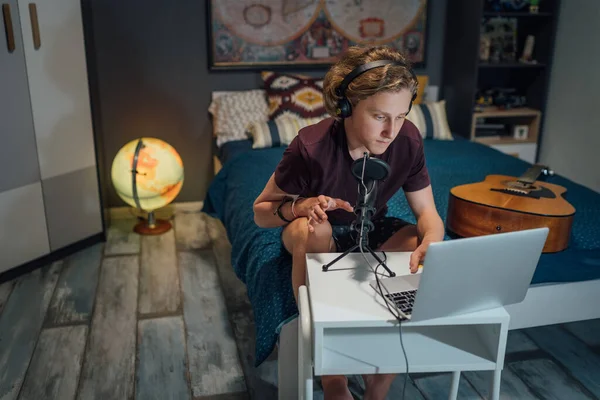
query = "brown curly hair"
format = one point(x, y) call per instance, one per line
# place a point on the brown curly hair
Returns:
point(386, 78)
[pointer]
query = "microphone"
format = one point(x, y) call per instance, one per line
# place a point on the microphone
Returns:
point(368, 171)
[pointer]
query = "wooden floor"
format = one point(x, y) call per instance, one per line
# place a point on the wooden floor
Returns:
point(163, 318)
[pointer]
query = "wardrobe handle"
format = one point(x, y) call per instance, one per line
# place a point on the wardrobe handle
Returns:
point(35, 27)
point(8, 27)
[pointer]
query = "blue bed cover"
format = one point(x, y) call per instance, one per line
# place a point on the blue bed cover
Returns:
point(264, 266)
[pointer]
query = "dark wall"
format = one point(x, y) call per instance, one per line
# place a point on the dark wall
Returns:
point(152, 79)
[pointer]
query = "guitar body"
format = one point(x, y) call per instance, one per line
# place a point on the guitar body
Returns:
point(503, 204)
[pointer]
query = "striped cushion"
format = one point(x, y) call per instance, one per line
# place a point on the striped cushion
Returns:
point(279, 132)
point(430, 119)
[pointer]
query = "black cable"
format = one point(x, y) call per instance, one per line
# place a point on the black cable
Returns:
point(399, 318)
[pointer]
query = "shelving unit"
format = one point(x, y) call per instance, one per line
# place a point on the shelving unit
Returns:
point(466, 75)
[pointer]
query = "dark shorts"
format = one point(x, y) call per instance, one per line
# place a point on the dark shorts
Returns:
point(385, 228)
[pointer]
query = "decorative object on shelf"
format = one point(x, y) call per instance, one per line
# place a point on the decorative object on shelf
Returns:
point(503, 98)
point(484, 48)
point(520, 132)
point(244, 34)
point(513, 5)
point(534, 6)
point(527, 56)
point(147, 173)
point(502, 34)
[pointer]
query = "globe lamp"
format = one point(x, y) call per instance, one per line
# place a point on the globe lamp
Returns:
point(147, 173)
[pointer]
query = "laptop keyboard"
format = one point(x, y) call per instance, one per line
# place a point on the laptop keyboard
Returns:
point(403, 300)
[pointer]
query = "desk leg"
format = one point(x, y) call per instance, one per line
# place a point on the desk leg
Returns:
point(454, 387)
point(495, 387)
point(305, 376)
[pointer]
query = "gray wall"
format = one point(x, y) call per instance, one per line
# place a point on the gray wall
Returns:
point(153, 79)
point(571, 138)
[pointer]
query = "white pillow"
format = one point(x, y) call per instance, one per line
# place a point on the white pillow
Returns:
point(431, 120)
point(278, 132)
point(232, 113)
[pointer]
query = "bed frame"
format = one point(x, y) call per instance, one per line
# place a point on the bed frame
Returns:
point(544, 304)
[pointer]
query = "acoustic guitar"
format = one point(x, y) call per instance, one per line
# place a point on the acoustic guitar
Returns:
point(504, 204)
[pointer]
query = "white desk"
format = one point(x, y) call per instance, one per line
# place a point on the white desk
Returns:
point(345, 329)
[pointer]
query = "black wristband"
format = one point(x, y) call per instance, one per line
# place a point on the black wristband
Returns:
point(278, 210)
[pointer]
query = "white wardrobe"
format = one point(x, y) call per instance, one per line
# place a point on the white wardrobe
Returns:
point(49, 191)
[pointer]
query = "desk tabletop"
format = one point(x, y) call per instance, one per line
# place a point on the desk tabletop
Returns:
point(342, 296)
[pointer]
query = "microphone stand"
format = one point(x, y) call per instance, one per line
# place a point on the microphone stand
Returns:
point(365, 209)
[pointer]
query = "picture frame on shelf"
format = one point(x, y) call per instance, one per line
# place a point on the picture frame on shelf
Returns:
point(521, 132)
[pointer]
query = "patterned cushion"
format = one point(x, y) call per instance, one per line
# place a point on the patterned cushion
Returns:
point(294, 95)
point(278, 132)
point(430, 119)
point(232, 113)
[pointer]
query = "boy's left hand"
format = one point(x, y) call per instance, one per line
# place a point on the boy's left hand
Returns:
point(418, 257)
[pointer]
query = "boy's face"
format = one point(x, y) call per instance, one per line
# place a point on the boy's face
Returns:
point(376, 121)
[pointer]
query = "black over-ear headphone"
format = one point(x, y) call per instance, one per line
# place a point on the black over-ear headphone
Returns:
point(344, 108)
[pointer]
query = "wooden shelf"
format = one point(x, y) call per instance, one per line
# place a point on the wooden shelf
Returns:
point(515, 14)
point(511, 117)
point(513, 112)
point(507, 140)
point(483, 64)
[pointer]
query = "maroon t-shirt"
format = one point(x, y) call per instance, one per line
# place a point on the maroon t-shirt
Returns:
point(318, 162)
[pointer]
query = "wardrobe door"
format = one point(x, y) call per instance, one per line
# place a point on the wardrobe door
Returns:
point(23, 231)
point(18, 153)
point(58, 85)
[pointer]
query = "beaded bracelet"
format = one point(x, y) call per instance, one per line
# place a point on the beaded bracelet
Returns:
point(293, 204)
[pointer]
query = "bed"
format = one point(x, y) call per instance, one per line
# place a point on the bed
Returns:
point(565, 286)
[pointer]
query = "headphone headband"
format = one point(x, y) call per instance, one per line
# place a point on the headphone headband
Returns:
point(364, 68)
point(344, 108)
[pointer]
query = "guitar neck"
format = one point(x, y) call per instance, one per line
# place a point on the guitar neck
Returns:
point(531, 175)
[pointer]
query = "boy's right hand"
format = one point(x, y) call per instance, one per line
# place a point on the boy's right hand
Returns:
point(315, 208)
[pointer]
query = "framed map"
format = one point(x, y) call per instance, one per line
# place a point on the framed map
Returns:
point(257, 34)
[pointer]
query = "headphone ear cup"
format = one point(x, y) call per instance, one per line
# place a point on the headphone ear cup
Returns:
point(344, 108)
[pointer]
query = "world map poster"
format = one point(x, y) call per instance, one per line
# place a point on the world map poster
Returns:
point(266, 33)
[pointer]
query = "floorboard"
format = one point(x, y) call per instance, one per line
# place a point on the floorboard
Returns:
point(162, 369)
point(20, 325)
point(5, 291)
point(548, 380)
point(190, 231)
point(511, 386)
point(586, 331)
point(159, 278)
point(76, 288)
point(121, 239)
point(108, 369)
point(56, 364)
point(397, 387)
point(437, 386)
point(572, 353)
point(518, 342)
point(212, 352)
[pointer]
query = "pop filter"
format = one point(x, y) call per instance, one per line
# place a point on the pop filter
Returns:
point(374, 170)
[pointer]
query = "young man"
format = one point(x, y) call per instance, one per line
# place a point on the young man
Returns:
point(312, 191)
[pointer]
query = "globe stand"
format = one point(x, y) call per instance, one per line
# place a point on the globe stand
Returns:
point(152, 226)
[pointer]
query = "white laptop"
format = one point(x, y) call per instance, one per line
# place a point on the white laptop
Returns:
point(466, 275)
